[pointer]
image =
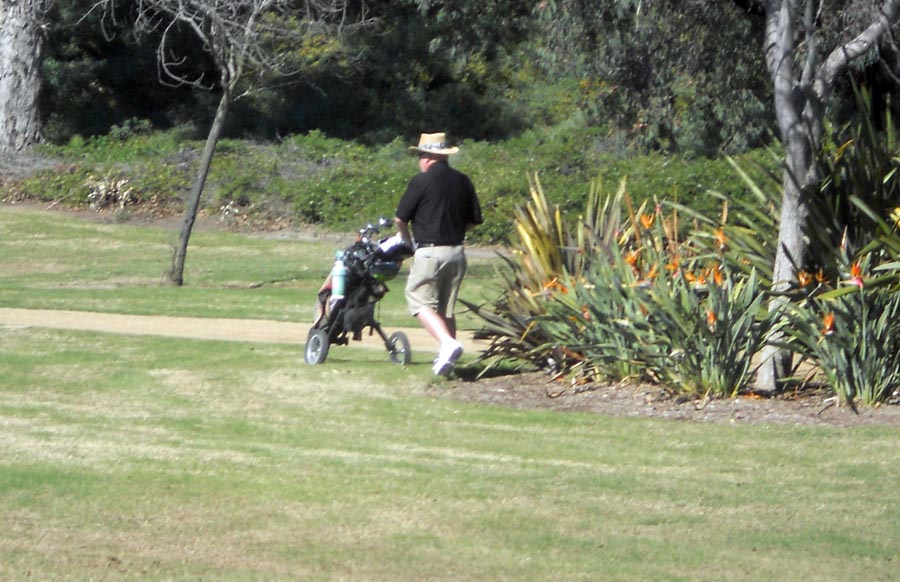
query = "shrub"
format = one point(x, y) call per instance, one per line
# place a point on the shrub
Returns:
point(848, 323)
point(549, 249)
point(129, 128)
point(704, 338)
point(653, 309)
point(613, 297)
point(855, 340)
point(317, 178)
point(741, 233)
point(595, 328)
point(846, 314)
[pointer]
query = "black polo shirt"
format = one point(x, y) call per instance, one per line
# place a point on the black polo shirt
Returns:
point(440, 203)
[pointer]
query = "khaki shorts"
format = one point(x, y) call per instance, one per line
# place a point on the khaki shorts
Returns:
point(434, 279)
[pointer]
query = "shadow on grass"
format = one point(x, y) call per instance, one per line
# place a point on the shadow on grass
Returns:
point(479, 371)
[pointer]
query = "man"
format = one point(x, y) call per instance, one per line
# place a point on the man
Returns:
point(441, 204)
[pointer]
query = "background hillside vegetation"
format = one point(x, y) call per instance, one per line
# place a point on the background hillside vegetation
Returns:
point(573, 92)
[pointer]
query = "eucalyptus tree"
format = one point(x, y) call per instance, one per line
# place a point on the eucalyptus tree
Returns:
point(446, 63)
point(670, 75)
point(804, 64)
point(21, 49)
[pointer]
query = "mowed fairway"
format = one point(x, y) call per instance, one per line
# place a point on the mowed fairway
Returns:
point(154, 458)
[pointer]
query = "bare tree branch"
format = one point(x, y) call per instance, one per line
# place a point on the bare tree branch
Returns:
point(809, 31)
point(837, 61)
point(240, 36)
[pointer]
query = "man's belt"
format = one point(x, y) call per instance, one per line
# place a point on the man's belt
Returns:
point(427, 245)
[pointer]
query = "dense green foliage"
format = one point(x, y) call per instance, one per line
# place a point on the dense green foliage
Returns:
point(619, 294)
point(98, 75)
point(675, 75)
point(678, 77)
point(848, 296)
point(316, 179)
point(417, 65)
point(853, 338)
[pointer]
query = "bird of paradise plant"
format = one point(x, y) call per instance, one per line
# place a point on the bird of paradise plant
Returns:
point(549, 256)
point(624, 299)
point(851, 332)
point(705, 338)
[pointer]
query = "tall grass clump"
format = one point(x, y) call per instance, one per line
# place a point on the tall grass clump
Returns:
point(854, 338)
point(703, 338)
point(849, 325)
point(670, 315)
point(533, 271)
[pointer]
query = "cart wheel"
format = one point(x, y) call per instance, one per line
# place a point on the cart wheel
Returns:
point(316, 347)
point(399, 351)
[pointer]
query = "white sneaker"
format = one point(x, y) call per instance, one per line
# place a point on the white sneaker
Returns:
point(450, 352)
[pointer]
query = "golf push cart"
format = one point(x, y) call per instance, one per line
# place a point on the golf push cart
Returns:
point(347, 299)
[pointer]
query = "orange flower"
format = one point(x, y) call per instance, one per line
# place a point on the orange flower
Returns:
point(828, 324)
point(647, 220)
point(718, 276)
point(711, 320)
point(571, 354)
point(651, 274)
point(712, 274)
point(632, 257)
point(719, 233)
point(856, 275)
point(674, 267)
point(804, 278)
point(555, 284)
point(820, 277)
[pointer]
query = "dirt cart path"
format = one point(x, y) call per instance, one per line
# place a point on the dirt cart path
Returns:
point(244, 330)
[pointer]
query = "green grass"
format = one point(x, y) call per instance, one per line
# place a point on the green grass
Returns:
point(168, 459)
point(51, 261)
point(175, 459)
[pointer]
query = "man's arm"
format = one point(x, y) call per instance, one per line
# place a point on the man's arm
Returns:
point(403, 229)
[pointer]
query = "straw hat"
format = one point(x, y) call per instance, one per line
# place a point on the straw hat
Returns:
point(434, 143)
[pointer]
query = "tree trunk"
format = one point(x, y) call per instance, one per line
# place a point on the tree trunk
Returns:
point(800, 173)
point(800, 110)
point(21, 48)
point(176, 273)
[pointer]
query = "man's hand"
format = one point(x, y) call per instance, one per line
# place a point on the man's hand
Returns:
point(403, 229)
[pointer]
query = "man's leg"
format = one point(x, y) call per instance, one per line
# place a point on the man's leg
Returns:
point(450, 349)
point(430, 283)
point(436, 325)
